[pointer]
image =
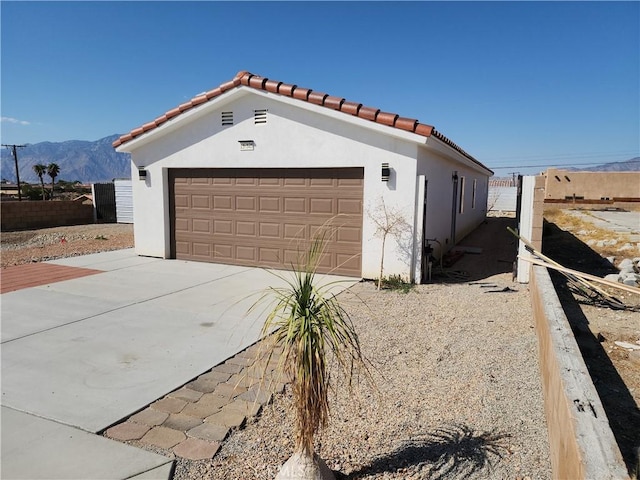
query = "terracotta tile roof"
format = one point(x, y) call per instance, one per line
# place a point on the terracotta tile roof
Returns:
point(318, 98)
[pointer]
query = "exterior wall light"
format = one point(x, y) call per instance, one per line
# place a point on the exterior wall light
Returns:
point(386, 172)
point(246, 145)
point(142, 173)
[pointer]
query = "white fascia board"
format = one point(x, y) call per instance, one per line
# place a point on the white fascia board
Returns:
point(183, 119)
point(345, 117)
point(452, 154)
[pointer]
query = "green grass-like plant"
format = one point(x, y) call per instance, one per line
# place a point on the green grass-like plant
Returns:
point(396, 282)
point(310, 327)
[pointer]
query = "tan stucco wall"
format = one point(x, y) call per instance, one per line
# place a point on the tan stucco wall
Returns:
point(592, 185)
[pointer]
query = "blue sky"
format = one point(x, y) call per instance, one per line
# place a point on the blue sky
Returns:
point(519, 85)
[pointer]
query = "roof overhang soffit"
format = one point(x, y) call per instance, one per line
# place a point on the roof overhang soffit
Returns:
point(450, 153)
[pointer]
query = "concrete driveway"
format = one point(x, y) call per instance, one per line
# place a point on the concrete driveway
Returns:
point(83, 354)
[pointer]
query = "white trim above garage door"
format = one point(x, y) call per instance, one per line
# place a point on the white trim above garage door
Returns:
point(266, 217)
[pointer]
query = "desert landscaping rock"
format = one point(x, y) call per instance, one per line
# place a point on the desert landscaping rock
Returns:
point(163, 437)
point(128, 431)
point(150, 417)
point(196, 449)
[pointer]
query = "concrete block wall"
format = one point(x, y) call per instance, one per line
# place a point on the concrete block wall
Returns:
point(580, 438)
point(41, 214)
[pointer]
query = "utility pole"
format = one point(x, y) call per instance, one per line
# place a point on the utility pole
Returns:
point(513, 175)
point(14, 150)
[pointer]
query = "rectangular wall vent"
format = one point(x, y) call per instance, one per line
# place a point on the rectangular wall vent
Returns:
point(227, 118)
point(260, 116)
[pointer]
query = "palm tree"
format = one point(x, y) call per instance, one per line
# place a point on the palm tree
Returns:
point(53, 170)
point(310, 327)
point(40, 171)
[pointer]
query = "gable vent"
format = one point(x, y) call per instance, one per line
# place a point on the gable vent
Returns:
point(227, 118)
point(260, 116)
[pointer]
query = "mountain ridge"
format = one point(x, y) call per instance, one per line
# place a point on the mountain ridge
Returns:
point(83, 160)
point(97, 161)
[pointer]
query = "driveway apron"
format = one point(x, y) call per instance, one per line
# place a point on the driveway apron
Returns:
point(88, 352)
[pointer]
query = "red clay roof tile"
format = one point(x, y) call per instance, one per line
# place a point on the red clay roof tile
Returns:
point(351, 108)
point(316, 97)
point(368, 113)
point(286, 89)
point(257, 82)
point(333, 102)
point(408, 124)
point(272, 86)
point(305, 94)
point(387, 118)
point(422, 129)
point(301, 93)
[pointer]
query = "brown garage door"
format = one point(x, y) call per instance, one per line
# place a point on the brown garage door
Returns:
point(265, 217)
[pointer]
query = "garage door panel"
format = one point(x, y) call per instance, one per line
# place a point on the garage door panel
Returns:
point(269, 204)
point(222, 227)
point(293, 205)
point(222, 251)
point(270, 230)
point(247, 204)
point(246, 181)
point(293, 181)
point(246, 253)
point(348, 206)
point(201, 225)
point(200, 201)
point(269, 181)
point(265, 217)
point(349, 234)
point(322, 206)
point(182, 201)
point(245, 228)
point(183, 248)
point(201, 249)
point(293, 231)
point(223, 202)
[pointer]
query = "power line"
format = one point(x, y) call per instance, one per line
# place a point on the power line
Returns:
point(542, 165)
point(14, 150)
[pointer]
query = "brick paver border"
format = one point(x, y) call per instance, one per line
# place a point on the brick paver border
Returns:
point(194, 420)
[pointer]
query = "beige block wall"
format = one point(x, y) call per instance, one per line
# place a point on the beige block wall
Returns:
point(41, 214)
point(581, 442)
point(592, 185)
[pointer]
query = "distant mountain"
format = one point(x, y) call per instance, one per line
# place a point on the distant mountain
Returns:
point(632, 165)
point(78, 160)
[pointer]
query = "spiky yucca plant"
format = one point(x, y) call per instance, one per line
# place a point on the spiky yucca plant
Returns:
point(311, 327)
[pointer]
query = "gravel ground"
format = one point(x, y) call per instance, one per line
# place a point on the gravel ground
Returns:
point(457, 379)
point(50, 243)
point(458, 394)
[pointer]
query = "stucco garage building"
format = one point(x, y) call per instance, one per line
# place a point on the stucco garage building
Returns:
point(242, 173)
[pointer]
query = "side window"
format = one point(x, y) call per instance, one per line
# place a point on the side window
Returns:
point(461, 199)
